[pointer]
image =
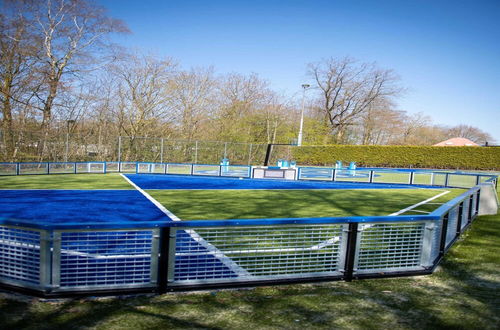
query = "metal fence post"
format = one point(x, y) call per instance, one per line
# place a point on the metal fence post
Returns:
point(427, 245)
point(371, 176)
point(45, 260)
point(444, 229)
point(478, 197)
point(334, 174)
point(446, 179)
point(163, 260)
point(56, 259)
point(412, 177)
point(469, 214)
point(459, 220)
point(350, 251)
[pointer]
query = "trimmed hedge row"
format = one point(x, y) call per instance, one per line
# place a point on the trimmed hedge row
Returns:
point(470, 158)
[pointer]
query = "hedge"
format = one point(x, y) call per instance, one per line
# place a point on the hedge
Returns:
point(470, 158)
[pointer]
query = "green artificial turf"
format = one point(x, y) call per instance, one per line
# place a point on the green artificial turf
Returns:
point(65, 181)
point(248, 204)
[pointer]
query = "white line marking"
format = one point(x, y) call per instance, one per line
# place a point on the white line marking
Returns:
point(228, 262)
point(418, 204)
point(152, 200)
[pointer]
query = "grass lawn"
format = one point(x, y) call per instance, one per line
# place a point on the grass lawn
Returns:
point(247, 204)
point(65, 181)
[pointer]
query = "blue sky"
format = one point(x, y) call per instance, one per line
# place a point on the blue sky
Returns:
point(447, 53)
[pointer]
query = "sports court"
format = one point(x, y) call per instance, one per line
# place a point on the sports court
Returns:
point(156, 230)
point(199, 198)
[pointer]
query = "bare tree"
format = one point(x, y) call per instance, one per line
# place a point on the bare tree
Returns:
point(18, 52)
point(469, 132)
point(348, 88)
point(192, 97)
point(142, 101)
point(240, 97)
point(73, 31)
point(381, 123)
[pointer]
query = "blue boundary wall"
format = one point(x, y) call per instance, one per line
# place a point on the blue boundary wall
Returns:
point(151, 254)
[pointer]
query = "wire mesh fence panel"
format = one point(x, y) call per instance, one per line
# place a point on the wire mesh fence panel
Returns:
point(280, 152)
point(101, 259)
point(237, 153)
point(212, 170)
point(257, 154)
point(389, 247)
point(151, 168)
point(90, 167)
point(241, 171)
point(140, 149)
point(128, 167)
point(352, 175)
point(438, 179)
point(461, 180)
point(465, 212)
point(33, 168)
point(8, 168)
point(19, 256)
point(474, 204)
point(484, 178)
point(424, 178)
point(179, 168)
point(391, 177)
point(179, 151)
point(315, 173)
point(228, 254)
point(112, 166)
point(451, 231)
point(207, 152)
point(62, 168)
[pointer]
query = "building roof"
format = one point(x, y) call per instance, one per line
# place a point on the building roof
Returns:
point(457, 142)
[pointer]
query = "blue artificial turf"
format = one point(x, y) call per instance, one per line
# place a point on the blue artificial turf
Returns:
point(159, 181)
point(59, 208)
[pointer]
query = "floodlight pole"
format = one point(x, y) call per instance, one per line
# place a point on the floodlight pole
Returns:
point(304, 88)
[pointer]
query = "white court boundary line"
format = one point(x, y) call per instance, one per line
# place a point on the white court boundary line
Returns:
point(218, 254)
point(418, 204)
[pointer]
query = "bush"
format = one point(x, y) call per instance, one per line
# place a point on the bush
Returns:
point(470, 158)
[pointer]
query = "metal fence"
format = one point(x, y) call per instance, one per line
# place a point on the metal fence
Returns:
point(67, 258)
point(63, 146)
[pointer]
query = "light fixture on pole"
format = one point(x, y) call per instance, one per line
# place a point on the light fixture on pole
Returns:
point(304, 88)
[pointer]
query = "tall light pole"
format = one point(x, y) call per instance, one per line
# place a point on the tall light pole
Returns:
point(299, 139)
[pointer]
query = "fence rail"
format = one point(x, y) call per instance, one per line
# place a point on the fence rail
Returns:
point(163, 256)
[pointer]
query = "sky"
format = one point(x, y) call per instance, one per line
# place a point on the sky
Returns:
point(447, 53)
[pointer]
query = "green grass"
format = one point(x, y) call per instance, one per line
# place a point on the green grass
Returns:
point(462, 294)
point(65, 181)
point(248, 204)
